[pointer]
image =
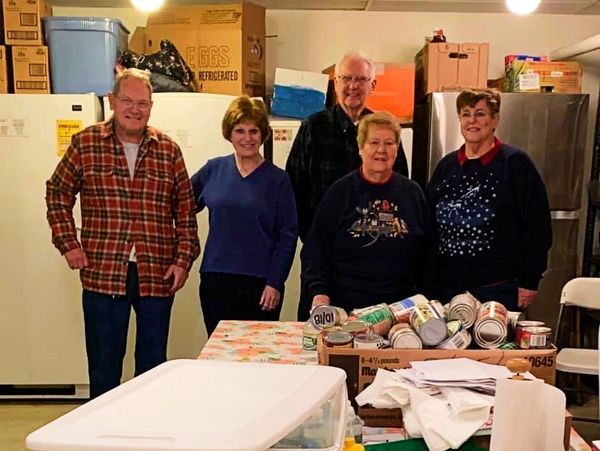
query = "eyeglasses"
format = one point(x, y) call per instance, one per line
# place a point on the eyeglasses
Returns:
point(479, 114)
point(128, 103)
point(358, 79)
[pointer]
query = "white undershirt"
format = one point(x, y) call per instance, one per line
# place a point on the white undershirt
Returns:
point(131, 153)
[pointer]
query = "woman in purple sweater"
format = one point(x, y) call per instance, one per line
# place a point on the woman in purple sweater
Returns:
point(253, 226)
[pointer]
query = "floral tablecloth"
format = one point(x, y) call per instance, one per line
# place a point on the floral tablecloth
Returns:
point(258, 341)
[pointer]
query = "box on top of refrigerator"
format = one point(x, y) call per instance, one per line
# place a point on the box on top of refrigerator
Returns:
point(3, 70)
point(223, 44)
point(30, 69)
point(23, 21)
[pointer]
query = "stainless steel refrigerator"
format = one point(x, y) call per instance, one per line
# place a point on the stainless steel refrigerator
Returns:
point(551, 128)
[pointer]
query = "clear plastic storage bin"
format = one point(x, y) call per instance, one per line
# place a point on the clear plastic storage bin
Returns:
point(205, 405)
point(83, 52)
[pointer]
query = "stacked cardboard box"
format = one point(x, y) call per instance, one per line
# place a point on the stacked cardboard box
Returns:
point(25, 55)
point(223, 44)
point(546, 76)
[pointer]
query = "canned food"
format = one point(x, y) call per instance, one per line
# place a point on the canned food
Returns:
point(401, 309)
point(357, 327)
point(523, 324)
point(428, 324)
point(514, 318)
point(323, 316)
point(379, 317)
point(309, 337)
point(464, 307)
point(459, 340)
point(338, 339)
point(454, 326)
point(534, 337)
point(490, 328)
point(439, 308)
point(402, 336)
point(368, 341)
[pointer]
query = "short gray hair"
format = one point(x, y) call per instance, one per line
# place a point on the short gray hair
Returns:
point(356, 54)
point(132, 73)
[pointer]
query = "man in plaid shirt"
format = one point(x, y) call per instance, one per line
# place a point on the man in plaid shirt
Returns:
point(139, 235)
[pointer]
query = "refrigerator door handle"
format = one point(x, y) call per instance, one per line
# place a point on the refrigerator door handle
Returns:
point(564, 214)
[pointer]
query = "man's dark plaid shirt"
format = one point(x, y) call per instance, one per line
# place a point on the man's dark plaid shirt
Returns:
point(325, 150)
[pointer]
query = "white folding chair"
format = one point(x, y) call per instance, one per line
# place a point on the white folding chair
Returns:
point(582, 292)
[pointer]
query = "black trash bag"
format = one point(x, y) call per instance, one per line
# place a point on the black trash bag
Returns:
point(169, 71)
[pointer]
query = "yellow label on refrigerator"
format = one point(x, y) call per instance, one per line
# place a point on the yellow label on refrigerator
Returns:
point(65, 129)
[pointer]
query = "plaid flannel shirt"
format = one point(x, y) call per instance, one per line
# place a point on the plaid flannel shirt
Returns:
point(154, 210)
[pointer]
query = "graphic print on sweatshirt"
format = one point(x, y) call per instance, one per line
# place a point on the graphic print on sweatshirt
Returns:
point(464, 214)
point(379, 219)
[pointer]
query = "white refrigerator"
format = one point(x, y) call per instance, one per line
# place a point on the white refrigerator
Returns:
point(41, 320)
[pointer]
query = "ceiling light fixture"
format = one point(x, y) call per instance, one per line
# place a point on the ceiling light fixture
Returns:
point(147, 5)
point(522, 7)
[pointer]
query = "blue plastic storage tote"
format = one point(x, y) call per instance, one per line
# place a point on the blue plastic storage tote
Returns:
point(83, 51)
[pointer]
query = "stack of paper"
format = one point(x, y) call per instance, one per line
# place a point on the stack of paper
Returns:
point(462, 372)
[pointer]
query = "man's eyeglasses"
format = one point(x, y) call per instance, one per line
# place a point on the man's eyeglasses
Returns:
point(479, 114)
point(128, 103)
point(358, 79)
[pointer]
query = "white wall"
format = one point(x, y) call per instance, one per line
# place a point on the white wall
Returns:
point(313, 40)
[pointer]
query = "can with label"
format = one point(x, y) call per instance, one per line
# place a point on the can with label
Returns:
point(534, 337)
point(368, 341)
point(459, 340)
point(379, 317)
point(428, 324)
point(357, 327)
point(490, 328)
point(523, 324)
point(323, 316)
point(439, 308)
point(338, 339)
point(464, 307)
point(402, 336)
point(401, 309)
point(309, 337)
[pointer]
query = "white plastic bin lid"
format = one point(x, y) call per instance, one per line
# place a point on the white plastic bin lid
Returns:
point(196, 405)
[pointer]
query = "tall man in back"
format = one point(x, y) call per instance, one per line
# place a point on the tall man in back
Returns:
point(139, 236)
point(326, 149)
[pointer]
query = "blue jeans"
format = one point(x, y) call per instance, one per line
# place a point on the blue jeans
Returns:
point(505, 292)
point(106, 319)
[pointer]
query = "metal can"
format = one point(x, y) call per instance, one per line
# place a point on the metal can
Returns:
point(464, 307)
point(459, 340)
point(368, 341)
point(309, 337)
point(514, 318)
point(338, 339)
point(523, 324)
point(401, 309)
point(323, 316)
point(534, 337)
point(379, 317)
point(439, 308)
point(357, 327)
point(428, 324)
point(402, 336)
point(490, 328)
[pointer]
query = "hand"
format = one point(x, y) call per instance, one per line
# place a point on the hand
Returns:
point(179, 275)
point(270, 298)
point(526, 297)
point(76, 258)
point(320, 299)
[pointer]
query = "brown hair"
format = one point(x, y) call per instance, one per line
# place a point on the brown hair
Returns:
point(245, 109)
point(470, 97)
point(381, 119)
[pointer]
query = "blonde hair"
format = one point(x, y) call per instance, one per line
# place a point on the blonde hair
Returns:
point(381, 119)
